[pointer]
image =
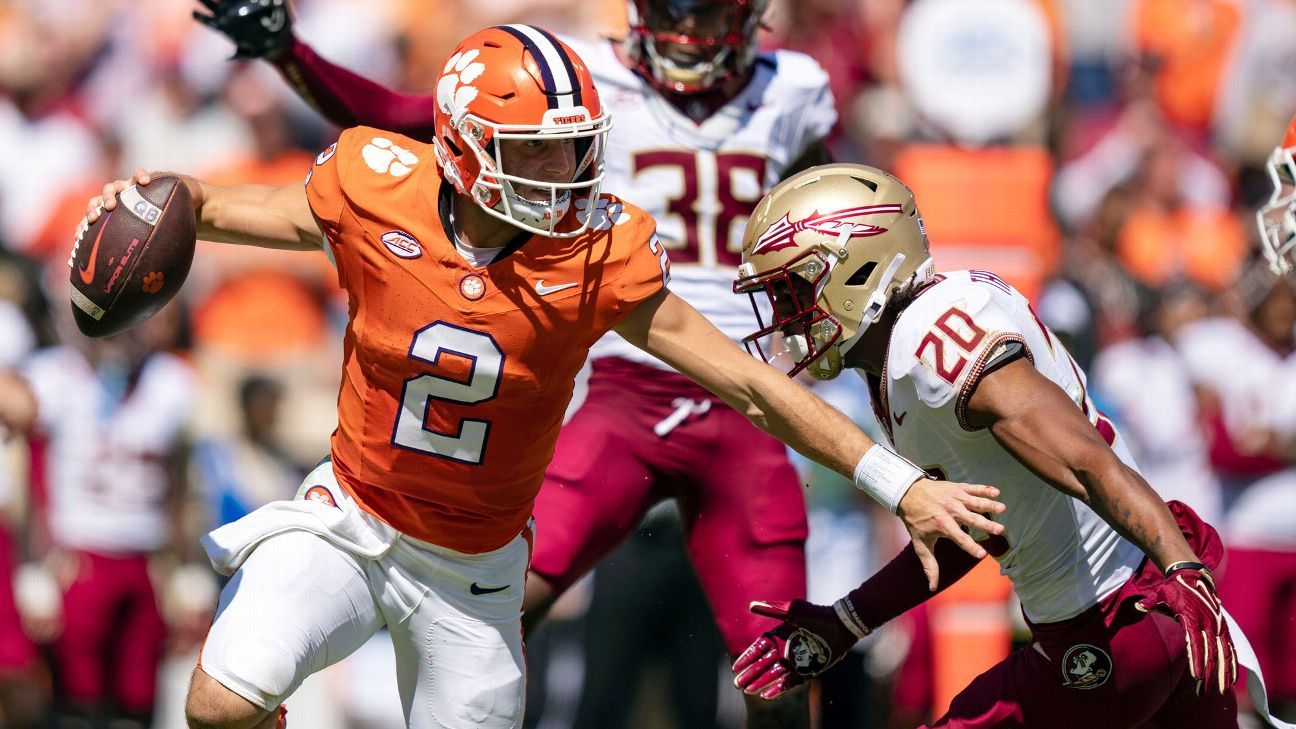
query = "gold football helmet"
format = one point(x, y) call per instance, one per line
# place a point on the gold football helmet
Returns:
point(822, 254)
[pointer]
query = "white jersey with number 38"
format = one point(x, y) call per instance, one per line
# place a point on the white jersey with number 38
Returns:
point(1061, 556)
point(702, 181)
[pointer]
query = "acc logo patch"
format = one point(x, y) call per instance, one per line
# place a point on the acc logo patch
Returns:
point(472, 287)
point(808, 652)
point(326, 155)
point(1085, 666)
point(320, 494)
point(402, 244)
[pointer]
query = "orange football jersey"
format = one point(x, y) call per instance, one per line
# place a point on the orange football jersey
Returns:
point(456, 377)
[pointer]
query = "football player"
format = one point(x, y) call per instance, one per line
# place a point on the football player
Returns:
point(479, 270)
point(705, 124)
point(108, 418)
point(1277, 218)
point(970, 384)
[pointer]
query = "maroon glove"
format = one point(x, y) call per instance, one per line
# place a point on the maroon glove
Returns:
point(1188, 593)
point(810, 640)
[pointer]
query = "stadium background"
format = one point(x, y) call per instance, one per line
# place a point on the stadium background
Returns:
point(1106, 156)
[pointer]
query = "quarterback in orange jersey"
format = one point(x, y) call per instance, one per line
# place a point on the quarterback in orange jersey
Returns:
point(480, 268)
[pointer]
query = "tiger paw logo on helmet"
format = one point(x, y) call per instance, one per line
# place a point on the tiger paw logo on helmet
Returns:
point(383, 155)
point(454, 90)
point(605, 214)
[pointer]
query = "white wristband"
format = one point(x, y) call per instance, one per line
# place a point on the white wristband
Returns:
point(886, 476)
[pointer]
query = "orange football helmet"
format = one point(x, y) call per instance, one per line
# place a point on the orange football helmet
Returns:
point(1277, 218)
point(518, 82)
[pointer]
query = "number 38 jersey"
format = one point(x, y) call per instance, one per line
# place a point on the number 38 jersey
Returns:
point(1061, 556)
point(455, 377)
point(702, 181)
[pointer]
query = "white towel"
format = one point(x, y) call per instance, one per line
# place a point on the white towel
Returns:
point(342, 523)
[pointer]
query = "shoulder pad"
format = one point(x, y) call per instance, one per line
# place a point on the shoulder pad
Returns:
point(795, 70)
point(942, 340)
point(383, 157)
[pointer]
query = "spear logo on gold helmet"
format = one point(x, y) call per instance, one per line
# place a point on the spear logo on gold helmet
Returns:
point(822, 254)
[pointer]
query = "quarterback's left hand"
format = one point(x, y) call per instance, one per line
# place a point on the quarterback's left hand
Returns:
point(809, 641)
point(259, 28)
point(1188, 593)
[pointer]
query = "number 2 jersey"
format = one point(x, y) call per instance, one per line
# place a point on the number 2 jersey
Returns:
point(1060, 555)
point(455, 377)
point(701, 181)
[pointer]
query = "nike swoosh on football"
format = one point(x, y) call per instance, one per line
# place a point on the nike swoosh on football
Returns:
point(478, 590)
point(87, 273)
point(546, 290)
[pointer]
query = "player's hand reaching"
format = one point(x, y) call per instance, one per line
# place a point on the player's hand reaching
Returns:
point(808, 642)
point(259, 28)
point(934, 509)
point(1188, 593)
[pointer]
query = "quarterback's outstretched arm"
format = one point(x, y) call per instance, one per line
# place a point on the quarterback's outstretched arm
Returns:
point(670, 329)
point(258, 215)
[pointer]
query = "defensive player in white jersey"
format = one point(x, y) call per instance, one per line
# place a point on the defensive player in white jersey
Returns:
point(109, 422)
point(704, 125)
point(969, 383)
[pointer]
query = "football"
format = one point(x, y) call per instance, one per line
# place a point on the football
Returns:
point(131, 261)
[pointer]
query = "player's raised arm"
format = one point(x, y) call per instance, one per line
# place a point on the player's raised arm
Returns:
point(259, 215)
point(262, 29)
point(674, 332)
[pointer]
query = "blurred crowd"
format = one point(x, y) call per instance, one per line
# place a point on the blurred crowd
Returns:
point(1104, 156)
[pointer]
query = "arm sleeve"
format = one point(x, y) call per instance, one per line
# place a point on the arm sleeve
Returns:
point(348, 99)
point(901, 585)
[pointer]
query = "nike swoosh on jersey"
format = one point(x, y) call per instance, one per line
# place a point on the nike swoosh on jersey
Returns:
point(899, 418)
point(478, 590)
point(546, 290)
point(87, 273)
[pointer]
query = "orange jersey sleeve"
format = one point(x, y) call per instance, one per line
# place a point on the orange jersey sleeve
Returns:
point(363, 169)
point(644, 266)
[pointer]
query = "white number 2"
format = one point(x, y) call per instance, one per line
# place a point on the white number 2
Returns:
point(430, 342)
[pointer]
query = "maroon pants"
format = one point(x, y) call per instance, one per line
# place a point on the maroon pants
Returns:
point(17, 651)
point(1111, 667)
point(113, 634)
point(744, 514)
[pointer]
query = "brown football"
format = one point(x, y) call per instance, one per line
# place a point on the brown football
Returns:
point(133, 259)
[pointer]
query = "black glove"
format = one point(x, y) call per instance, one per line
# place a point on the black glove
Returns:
point(259, 28)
